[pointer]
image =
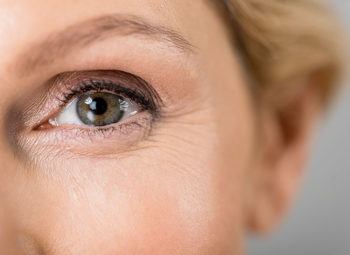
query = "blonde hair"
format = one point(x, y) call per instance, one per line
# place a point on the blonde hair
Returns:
point(282, 41)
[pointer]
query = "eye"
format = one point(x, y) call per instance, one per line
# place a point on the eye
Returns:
point(99, 100)
point(96, 109)
point(93, 112)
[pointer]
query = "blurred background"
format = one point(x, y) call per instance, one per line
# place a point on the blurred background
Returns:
point(320, 221)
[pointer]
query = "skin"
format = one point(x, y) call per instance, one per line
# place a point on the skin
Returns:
point(211, 169)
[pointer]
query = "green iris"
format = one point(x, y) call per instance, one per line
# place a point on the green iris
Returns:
point(100, 108)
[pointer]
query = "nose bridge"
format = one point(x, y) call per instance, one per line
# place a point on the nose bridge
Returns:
point(7, 165)
point(11, 170)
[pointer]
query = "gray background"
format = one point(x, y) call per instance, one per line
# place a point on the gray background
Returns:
point(320, 222)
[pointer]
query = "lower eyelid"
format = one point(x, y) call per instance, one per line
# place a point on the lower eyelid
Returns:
point(103, 141)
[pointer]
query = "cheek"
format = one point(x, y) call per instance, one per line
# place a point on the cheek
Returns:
point(173, 196)
point(180, 192)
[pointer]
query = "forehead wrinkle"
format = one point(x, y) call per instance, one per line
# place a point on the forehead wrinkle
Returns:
point(59, 44)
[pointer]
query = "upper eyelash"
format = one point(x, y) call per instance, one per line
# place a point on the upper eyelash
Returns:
point(92, 85)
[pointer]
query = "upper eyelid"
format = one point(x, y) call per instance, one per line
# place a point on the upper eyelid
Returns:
point(104, 85)
point(36, 108)
point(70, 80)
point(129, 85)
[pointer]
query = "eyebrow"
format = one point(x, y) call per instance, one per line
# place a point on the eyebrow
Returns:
point(61, 43)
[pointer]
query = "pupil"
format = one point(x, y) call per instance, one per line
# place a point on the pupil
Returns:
point(98, 106)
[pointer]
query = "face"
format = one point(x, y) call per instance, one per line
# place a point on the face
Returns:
point(126, 128)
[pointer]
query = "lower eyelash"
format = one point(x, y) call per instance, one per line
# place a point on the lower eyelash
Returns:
point(121, 130)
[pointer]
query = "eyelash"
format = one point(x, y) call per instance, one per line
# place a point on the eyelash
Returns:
point(68, 86)
point(108, 86)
